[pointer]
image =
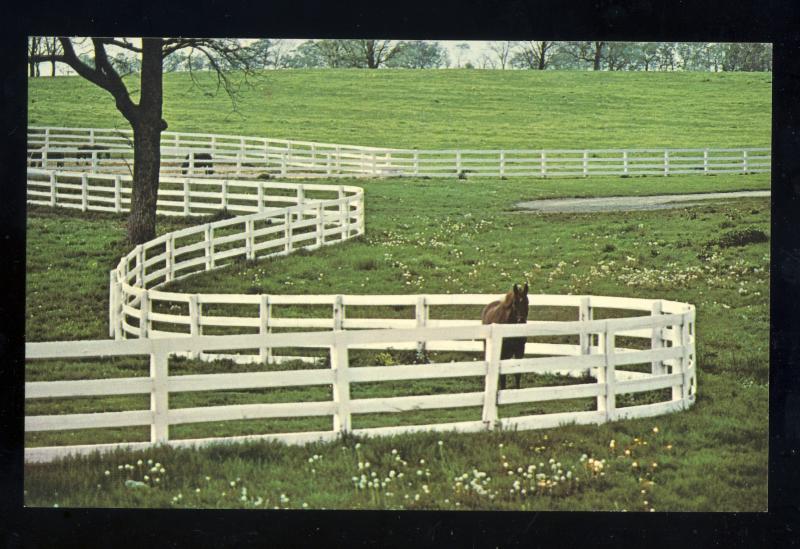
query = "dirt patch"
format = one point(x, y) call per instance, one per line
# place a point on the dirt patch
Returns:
point(631, 203)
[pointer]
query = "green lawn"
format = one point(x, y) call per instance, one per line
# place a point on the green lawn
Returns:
point(439, 236)
point(429, 109)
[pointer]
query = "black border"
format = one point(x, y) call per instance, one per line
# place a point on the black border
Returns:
point(766, 21)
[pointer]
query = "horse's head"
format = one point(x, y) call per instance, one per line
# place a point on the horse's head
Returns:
point(519, 304)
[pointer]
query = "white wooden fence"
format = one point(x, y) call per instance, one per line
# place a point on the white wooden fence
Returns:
point(670, 328)
point(240, 156)
point(276, 219)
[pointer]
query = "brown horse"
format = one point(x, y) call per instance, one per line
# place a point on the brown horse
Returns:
point(513, 309)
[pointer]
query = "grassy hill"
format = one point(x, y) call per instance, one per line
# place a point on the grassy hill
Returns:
point(447, 108)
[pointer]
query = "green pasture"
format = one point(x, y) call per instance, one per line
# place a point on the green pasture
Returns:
point(430, 109)
point(440, 236)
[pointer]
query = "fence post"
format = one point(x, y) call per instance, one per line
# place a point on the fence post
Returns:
point(585, 163)
point(52, 189)
point(118, 313)
point(112, 304)
point(360, 214)
point(283, 164)
point(657, 339)
point(666, 162)
point(224, 190)
point(264, 329)
point(191, 162)
point(691, 375)
point(684, 361)
point(159, 397)
point(606, 401)
point(140, 265)
point(144, 315)
point(194, 320)
point(44, 157)
point(744, 161)
point(416, 163)
point(422, 312)
point(543, 164)
point(91, 137)
point(94, 161)
point(209, 247)
point(343, 214)
point(502, 164)
point(186, 203)
point(341, 386)
point(328, 170)
point(338, 313)
point(117, 194)
point(585, 314)
point(494, 345)
point(169, 246)
point(625, 162)
point(84, 192)
point(338, 160)
point(249, 239)
point(458, 162)
point(239, 163)
point(260, 196)
point(374, 167)
point(320, 229)
point(705, 161)
point(288, 232)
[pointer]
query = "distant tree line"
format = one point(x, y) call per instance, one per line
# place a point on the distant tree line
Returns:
point(423, 54)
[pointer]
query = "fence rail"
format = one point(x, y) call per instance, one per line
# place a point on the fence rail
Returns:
point(671, 358)
point(211, 155)
point(275, 218)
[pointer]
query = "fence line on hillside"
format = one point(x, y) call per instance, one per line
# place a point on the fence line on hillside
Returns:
point(671, 359)
point(110, 151)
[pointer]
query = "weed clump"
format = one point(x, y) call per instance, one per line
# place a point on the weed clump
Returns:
point(742, 237)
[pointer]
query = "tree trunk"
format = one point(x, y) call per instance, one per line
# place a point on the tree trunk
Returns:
point(147, 127)
point(598, 54)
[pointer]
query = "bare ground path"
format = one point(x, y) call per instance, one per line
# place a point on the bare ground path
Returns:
point(630, 203)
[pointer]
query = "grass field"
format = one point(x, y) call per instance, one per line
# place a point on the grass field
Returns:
point(449, 108)
point(439, 236)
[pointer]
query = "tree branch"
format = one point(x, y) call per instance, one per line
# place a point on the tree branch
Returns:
point(102, 75)
point(121, 44)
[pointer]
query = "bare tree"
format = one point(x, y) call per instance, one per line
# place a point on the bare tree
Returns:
point(52, 48)
point(591, 52)
point(145, 117)
point(370, 53)
point(502, 51)
point(533, 55)
point(486, 61)
point(35, 49)
point(279, 54)
point(462, 50)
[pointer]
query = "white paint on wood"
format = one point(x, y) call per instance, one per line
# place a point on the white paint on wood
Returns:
point(492, 378)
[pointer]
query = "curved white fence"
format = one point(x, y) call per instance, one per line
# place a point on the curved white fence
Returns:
point(277, 218)
point(111, 151)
